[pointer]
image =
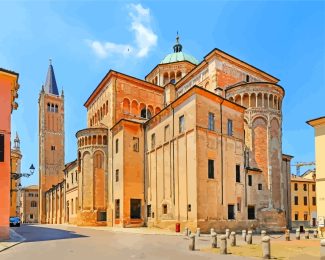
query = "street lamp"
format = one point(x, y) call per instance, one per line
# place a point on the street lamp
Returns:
point(16, 176)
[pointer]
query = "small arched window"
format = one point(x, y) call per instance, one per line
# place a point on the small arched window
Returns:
point(145, 113)
point(56, 110)
point(33, 204)
point(105, 140)
point(48, 107)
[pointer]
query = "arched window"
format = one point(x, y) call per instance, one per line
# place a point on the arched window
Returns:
point(99, 140)
point(56, 109)
point(126, 106)
point(105, 140)
point(166, 78)
point(52, 108)
point(106, 108)
point(33, 204)
point(99, 159)
point(48, 107)
point(144, 113)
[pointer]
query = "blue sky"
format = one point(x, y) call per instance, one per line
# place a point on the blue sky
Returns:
point(85, 39)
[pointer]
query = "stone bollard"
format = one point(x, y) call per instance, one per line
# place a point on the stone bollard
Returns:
point(266, 247)
point(192, 242)
point(315, 233)
point(233, 238)
point(287, 235)
point(214, 240)
point(249, 238)
point(198, 232)
point(186, 231)
point(322, 249)
point(298, 234)
point(306, 234)
point(263, 233)
point(243, 234)
point(223, 245)
point(227, 233)
point(211, 231)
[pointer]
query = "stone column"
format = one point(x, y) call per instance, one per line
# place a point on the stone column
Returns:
point(287, 235)
point(214, 240)
point(227, 233)
point(223, 245)
point(233, 239)
point(306, 234)
point(249, 238)
point(198, 232)
point(244, 235)
point(192, 243)
point(186, 231)
point(298, 234)
point(322, 249)
point(266, 247)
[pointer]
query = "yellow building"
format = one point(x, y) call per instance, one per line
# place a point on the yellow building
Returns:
point(15, 183)
point(71, 194)
point(319, 126)
point(304, 206)
point(29, 204)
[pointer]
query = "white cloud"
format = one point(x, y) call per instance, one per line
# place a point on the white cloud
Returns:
point(145, 38)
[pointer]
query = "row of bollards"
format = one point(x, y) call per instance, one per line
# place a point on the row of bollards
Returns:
point(315, 234)
point(265, 242)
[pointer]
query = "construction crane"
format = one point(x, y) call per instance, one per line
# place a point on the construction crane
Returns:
point(301, 164)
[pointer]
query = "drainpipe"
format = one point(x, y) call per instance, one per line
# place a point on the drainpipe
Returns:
point(173, 155)
point(112, 143)
point(221, 134)
point(145, 175)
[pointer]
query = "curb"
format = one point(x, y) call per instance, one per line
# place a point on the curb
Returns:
point(15, 239)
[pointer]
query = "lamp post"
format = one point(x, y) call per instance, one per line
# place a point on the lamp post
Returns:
point(16, 176)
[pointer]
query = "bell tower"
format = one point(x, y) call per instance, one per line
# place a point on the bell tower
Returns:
point(51, 138)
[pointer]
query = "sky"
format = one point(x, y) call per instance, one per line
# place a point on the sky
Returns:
point(85, 39)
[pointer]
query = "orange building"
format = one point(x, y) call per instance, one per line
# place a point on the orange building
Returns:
point(8, 94)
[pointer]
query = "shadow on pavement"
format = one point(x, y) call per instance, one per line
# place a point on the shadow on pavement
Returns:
point(34, 233)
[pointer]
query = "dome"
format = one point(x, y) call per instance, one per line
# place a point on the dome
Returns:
point(178, 55)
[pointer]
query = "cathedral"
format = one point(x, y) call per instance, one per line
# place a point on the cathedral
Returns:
point(195, 143)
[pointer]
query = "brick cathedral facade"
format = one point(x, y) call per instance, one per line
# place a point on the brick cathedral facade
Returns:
point(198, 144)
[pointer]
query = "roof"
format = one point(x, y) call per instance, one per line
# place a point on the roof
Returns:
point(31, 187)
point(299, 178)
point(316, 121)
point(179, 56)
point(50, 83)
point(10, 72)
point(112, 73)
